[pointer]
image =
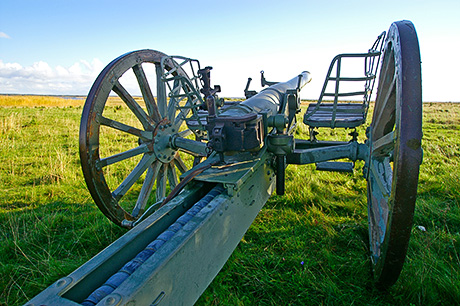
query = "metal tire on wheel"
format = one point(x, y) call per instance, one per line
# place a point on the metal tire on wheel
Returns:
point(148, 153)
point(395, 153)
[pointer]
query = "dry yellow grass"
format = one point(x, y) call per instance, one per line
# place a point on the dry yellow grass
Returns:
point(31, 101)
point(49, 101)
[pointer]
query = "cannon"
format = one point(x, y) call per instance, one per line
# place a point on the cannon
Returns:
point(188, 172)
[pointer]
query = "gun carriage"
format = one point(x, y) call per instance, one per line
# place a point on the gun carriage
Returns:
point(199, 169)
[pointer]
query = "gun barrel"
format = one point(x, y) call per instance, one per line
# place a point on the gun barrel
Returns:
point(270, 98)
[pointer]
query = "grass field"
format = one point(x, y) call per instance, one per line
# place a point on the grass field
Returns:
point(308, 247)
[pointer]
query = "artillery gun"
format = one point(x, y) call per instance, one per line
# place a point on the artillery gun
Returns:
point(199, 170)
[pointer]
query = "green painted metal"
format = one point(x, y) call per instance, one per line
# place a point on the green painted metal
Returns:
point(183, 267)
point(237, 169)
point(79, 284)
point(180, 270)
point(330, 114)
point(309, 152)
point(335, 166)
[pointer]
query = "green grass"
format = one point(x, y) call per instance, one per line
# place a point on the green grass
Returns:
point(308, 247)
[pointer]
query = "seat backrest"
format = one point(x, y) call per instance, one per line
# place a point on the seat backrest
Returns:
point(371, 62)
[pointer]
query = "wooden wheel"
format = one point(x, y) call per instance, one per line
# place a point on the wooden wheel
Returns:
point(395, 153)
point(126, 149)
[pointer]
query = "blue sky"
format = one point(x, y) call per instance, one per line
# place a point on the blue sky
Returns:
point(59, 47)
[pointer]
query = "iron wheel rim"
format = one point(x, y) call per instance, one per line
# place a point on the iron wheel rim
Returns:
point(395, 153)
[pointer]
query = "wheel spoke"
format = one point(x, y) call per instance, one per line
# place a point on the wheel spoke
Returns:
point(122, 156)
point(144, 135)
point(172, 176)
point(385, 114)
point(161, 105)
point(161, 182)
point(382, 176)
point(180, 164)
point(388, 68)
point(172, 102)
point(147, 93)
point(384, 145)
point(378, 216)
point(386, 76)
point(129, 181)
point(182, 114)
point(161, 91)
point(146, 189)
point(146, 122)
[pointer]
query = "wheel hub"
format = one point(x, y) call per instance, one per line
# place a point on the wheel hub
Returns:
point(162, 142)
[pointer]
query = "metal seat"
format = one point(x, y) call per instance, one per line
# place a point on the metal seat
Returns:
point(346, 115)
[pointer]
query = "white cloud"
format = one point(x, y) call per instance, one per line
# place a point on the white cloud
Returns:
point(41, 78)
point(4, 35)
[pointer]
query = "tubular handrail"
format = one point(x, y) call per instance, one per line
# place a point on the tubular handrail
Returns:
point(370, 71)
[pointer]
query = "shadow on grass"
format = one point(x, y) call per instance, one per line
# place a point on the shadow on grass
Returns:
point(43, 243)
